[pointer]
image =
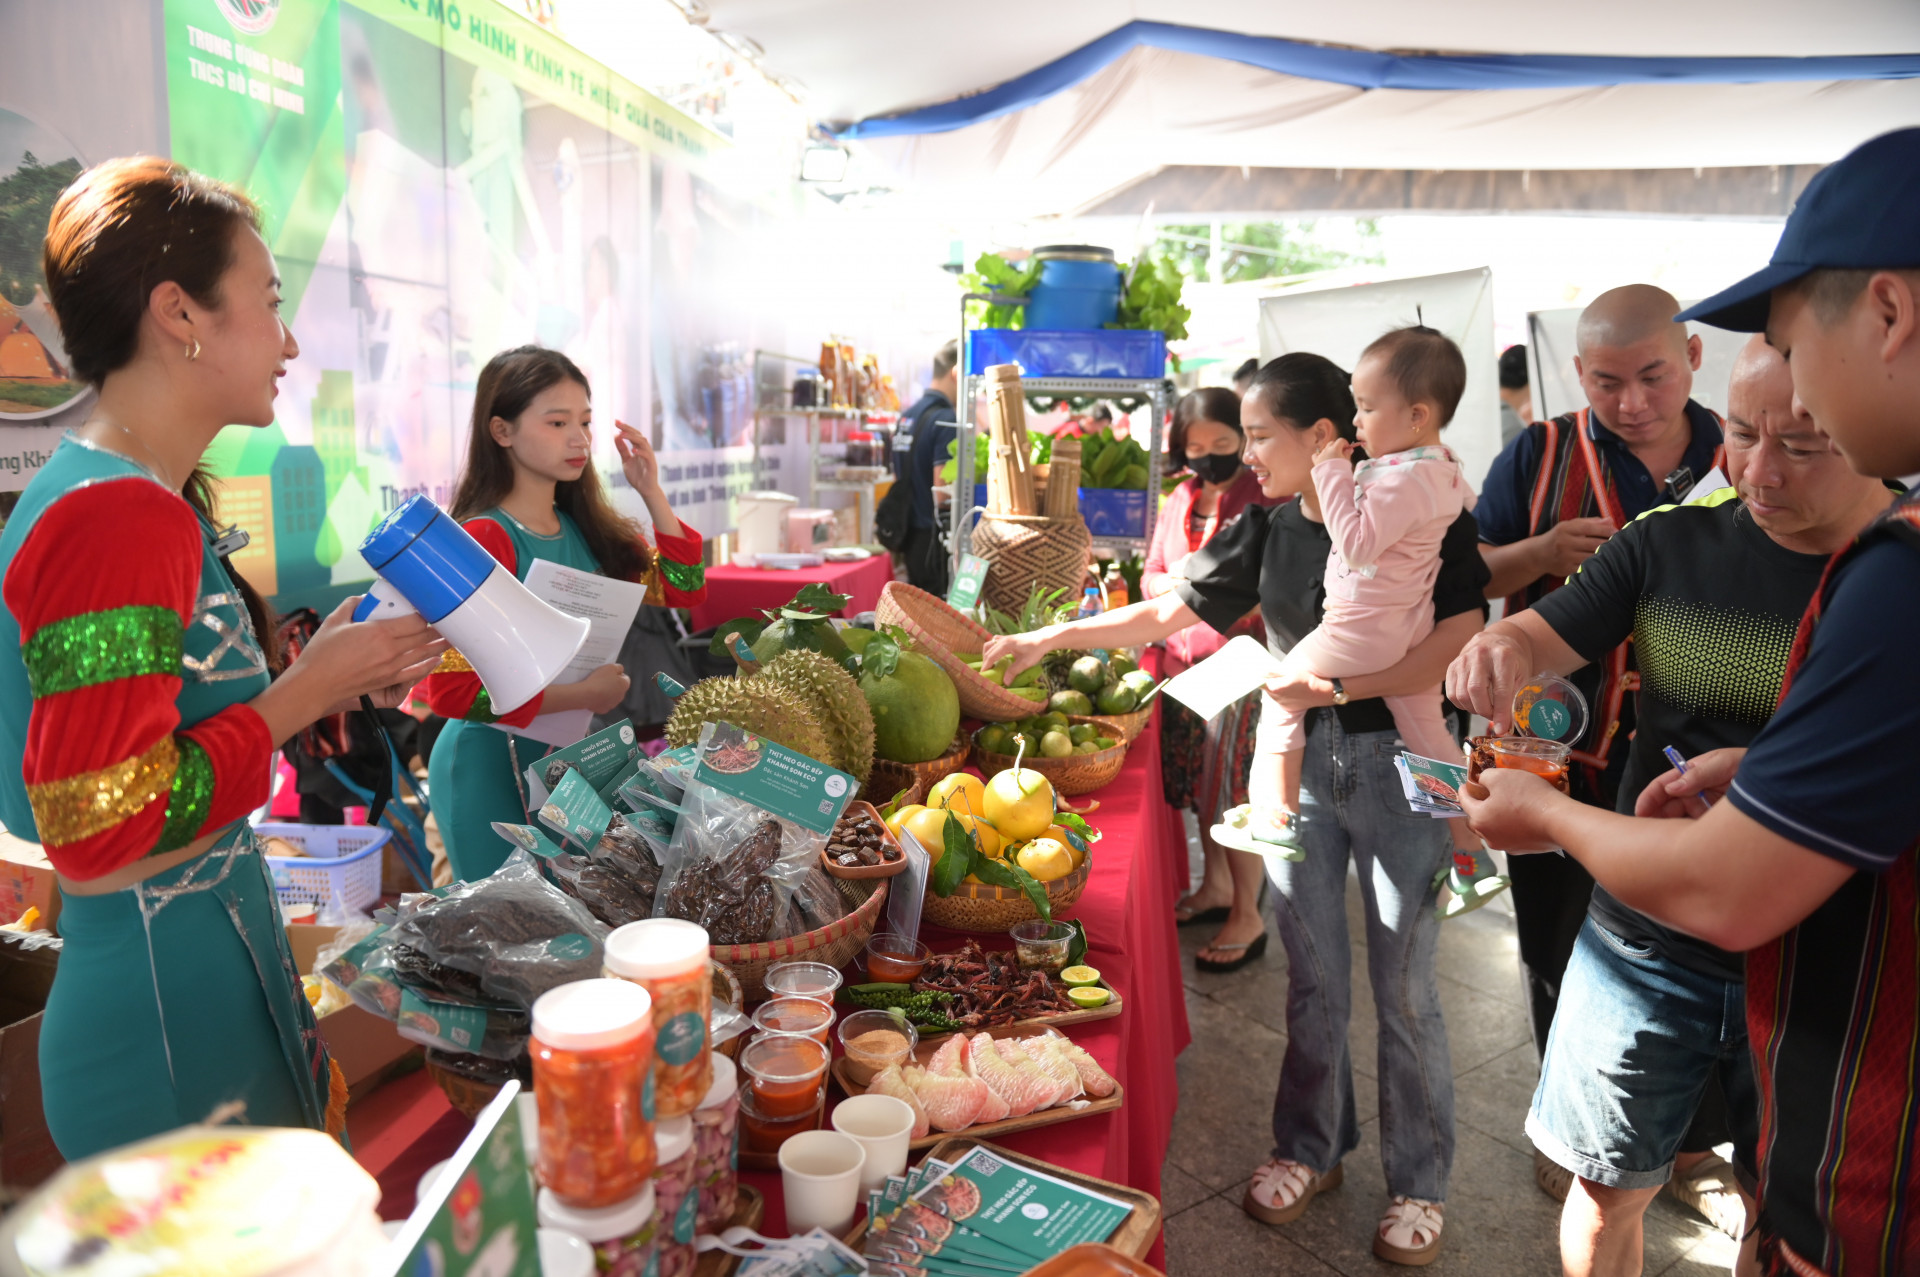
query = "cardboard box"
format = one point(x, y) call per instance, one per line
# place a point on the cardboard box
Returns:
point(27, 1155)
point(363, 1044)
point(27, 879)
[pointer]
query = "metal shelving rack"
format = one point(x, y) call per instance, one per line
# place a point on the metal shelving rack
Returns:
point(863, 490)
point(1153, 391)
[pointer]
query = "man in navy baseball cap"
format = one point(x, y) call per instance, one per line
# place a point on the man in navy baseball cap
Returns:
point(1810, 865)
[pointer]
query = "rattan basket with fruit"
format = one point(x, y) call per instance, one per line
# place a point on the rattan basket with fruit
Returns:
point(1090, 761)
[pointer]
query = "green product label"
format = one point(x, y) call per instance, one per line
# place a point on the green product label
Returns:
point(570, 947)
point(575, 812)
point(600, 758)
point(773, 777)
point(1031, 1212)
point(1549, 720)
point(681, 1039)
point(611, 790)
point(965, 590)
point(461, 1027)
point(646, 1096)
point(653, 1264)
point(528, 839)
point(686, 1219)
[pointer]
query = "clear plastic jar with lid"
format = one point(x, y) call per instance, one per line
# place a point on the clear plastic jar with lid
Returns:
point(670, 959)
point(716, 1146)
point(624, 1236)
point(592, 1055)
point(676, 1196)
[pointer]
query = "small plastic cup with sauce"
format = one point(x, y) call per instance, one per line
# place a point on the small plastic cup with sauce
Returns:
point(893, 959)
point(814, 980)
point(802, 1016)
point(874, 1039)
point(784, 1074)
point(1546, 758)
point(1041, 945)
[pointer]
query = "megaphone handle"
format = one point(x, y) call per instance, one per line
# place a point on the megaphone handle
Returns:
point(382, 788)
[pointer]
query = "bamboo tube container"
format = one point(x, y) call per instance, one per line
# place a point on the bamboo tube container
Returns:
point(1063, 480)
point(1007, 418)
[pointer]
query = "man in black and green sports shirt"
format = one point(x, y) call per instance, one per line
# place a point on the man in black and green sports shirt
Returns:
point(1711, 593)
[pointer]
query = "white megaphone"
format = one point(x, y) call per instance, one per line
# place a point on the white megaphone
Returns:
point(429, 564)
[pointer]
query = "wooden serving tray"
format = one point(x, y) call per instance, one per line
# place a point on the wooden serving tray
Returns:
point(1059, 1020)
point(1006, 1126)
point(1135, 1235)
point(748, 1211)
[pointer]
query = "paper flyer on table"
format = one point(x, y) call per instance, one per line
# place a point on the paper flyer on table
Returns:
point(1243, 665)
point(609, 607)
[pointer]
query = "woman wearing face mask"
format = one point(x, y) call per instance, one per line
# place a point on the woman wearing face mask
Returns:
point(1352, 811)
point(1204, 764)
point(141, 696)
point(530, 492)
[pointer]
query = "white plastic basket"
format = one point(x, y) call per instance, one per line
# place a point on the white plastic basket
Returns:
point(341, 867)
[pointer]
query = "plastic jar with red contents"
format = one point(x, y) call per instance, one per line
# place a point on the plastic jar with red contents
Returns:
point(625, 1236)
point(716, 1146)
point(592, 1057)
point(676, 1195)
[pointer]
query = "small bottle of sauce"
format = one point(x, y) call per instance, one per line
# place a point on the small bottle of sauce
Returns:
point(592, 1054)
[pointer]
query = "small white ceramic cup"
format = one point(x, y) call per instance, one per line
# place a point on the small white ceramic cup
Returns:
point(820, 1172)
point(882, 1125)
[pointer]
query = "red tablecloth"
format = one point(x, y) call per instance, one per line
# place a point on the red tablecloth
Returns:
point(734, 592)
point(1139, 871)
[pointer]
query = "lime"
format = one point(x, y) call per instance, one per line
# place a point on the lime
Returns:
point(1055, 745)
point(1078, 977)
point(1082, 732)
point(1090, 997)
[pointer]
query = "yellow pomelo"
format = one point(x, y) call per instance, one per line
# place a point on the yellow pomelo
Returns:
point(1046, 859)
point(1019, 803)
point(963, 793)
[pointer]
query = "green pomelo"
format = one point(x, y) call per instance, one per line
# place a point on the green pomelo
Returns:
point(916, 710)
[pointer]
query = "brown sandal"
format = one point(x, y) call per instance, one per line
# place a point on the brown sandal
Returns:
point(1284, 1176)
point(1407, 1219)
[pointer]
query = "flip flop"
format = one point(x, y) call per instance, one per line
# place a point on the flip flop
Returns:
point(1252, 951)
point(1253, 829)
point(1217, 913)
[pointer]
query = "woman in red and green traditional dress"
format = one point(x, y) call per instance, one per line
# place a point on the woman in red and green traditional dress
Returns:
point(139, 711)
point(530, 492)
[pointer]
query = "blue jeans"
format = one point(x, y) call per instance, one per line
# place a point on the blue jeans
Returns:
point(1633, 1044)
point(1351, 806)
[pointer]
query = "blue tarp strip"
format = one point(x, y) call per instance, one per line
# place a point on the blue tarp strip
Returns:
point(1363, 69)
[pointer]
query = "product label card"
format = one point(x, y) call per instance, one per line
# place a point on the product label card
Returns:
point(610, 792)
point(575, 812)
point(1034, 1213)
point(461, 1027)
point(965, 590)
point(527, 838)
point(1431, 785)
point(600, 758)
point(773, 777)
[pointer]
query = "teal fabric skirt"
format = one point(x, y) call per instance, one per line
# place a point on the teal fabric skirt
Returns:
point(471, 779)
point(174, 1000)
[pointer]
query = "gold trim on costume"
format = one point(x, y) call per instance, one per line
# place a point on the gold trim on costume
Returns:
point(78, 807)
point(451, 662)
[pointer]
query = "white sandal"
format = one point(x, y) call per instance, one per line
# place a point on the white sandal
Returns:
point(1407, 1220)
point(1282, 1189)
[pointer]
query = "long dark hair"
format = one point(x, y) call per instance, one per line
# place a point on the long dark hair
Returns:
point(1210, 403)
point(508, 384)
point(122, 229)
point(1300, 388)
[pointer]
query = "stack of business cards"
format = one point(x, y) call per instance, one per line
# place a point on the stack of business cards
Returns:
point(1432, 787)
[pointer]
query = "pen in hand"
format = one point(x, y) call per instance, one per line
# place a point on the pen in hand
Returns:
point(1679, 762)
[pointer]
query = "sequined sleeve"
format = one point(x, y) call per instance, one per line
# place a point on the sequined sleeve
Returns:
point(453, 690)
point(111, 776)
point(677, 578)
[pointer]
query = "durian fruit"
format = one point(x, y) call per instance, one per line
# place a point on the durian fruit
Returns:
point(842, 707)
point(754, 705)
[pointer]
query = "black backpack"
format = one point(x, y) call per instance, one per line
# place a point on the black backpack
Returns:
point(893, 517)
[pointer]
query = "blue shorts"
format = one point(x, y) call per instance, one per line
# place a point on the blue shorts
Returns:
point(1635, 1039)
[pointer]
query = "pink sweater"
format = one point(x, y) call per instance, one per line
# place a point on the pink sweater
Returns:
point(1387, 518)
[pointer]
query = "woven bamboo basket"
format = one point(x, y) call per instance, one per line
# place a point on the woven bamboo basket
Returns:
point(835, 944)
point(889, 777)
point(1024, 550)
point(1128, 725)
point(1073, 775)
point(944, 636)
point(983, 908)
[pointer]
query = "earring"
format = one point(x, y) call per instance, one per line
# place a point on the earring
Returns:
point(193, 349)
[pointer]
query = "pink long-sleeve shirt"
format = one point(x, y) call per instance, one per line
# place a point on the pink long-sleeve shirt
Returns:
point(1387, 517)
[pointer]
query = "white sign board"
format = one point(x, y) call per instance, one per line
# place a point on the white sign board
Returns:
point(1556, 388)
point(1341, 322)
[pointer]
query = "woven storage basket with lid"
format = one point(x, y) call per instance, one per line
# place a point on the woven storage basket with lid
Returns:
point(1023, 551)
point(943, 635)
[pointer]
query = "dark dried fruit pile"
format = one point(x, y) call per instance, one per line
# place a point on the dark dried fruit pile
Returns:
point(989, 988)
point(860, 840)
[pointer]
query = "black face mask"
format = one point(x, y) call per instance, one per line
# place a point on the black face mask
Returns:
point(1215, 467)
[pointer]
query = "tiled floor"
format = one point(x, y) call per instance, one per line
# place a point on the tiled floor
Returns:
point(1498, 1221)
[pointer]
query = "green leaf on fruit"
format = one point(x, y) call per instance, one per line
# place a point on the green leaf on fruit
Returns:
point(1078, 828)
point(956, 857)
point(881, 656)
point(1077, 947)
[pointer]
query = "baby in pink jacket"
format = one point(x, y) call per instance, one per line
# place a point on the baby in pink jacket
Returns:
point(1387, 517)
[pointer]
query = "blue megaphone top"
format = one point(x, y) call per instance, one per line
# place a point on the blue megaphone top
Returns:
point(431, 560)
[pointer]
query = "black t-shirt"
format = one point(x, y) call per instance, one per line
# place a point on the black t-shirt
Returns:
point(1711, 603)
point(1275, 558)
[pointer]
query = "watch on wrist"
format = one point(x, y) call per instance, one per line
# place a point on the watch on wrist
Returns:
point(1339, 692)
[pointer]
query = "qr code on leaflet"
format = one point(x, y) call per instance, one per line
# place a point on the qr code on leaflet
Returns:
point(985, 1165)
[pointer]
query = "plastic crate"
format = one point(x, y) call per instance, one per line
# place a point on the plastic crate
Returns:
point(1109, 512)
point(1134, 354)
point(341, 868)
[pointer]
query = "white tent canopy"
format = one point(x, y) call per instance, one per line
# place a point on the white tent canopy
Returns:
point(1152, 107)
